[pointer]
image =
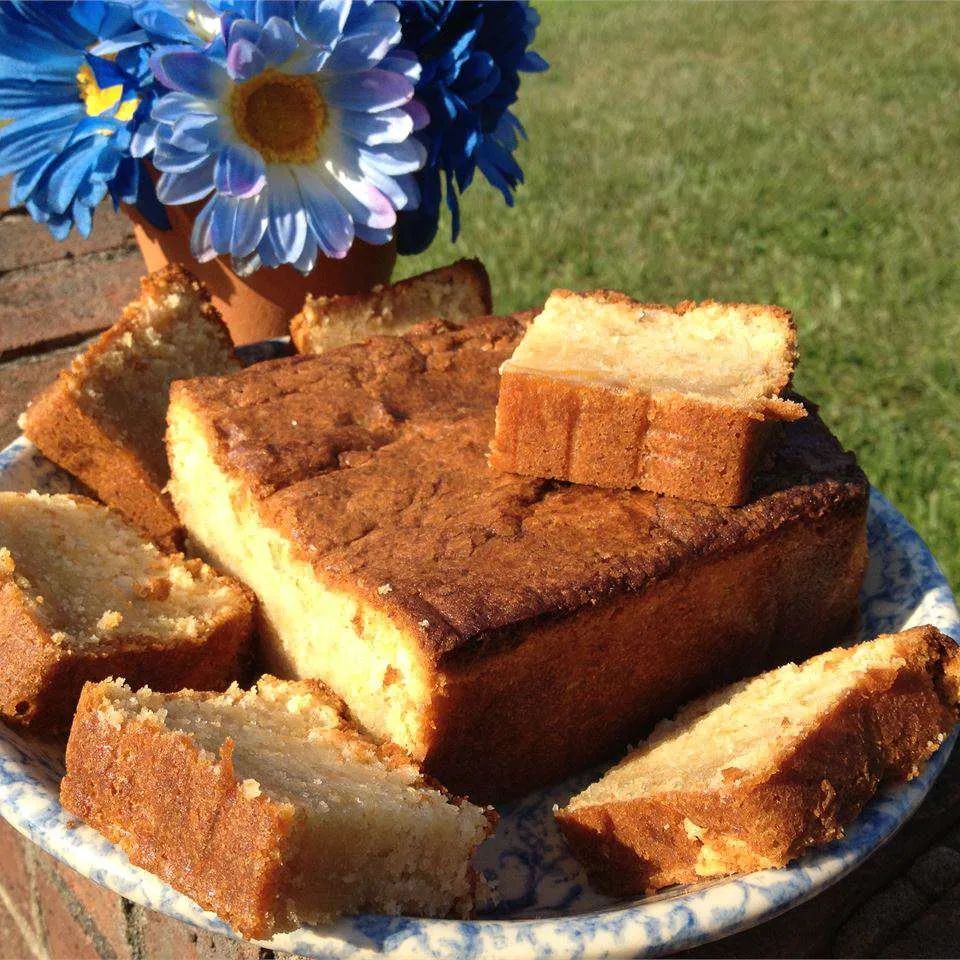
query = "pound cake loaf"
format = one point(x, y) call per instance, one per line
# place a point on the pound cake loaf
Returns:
point(268, 807)
point(456, 293)
point(754, 775)
point(678, 400)
point(505, 630)
point(103, 419)
point(83, 597)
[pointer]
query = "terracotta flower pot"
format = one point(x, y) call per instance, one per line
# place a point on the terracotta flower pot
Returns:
point(261, 305)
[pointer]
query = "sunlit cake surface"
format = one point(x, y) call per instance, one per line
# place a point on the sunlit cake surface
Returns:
point(507, 630)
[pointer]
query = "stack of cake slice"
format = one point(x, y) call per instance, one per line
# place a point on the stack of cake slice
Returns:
point(505, 630)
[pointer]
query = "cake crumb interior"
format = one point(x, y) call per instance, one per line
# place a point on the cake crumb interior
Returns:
point(718, 352)
point(89, 578)
point(714, 740)
point(318, 631)
point(128, 383)
point(367, 836)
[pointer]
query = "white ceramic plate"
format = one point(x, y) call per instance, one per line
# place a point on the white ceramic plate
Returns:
point(547, 907)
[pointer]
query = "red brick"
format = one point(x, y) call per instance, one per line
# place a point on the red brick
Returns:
point(66, 298)
point(66, 938)
point(102, 906)
point(15, 876)
point(21, 380)
point(164, 939)
point(25, 243)
point(13, 944)
point(71, 923)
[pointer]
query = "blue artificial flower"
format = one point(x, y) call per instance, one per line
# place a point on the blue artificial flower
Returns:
point(74, 85)
point(298, 128)
point(471, 56)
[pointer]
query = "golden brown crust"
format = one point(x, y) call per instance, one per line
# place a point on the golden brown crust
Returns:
point(238, 850)
point(326, 322)
point(615, 437)
point(882, 730)
point(179, 813)
point(83, 446)
point(87, 445)
point(515, 587)
point(41, 680)
point(41, 676)
point(569, 692)
point(590, 434)
point(372, 460)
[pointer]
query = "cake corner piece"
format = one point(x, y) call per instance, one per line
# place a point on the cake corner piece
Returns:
point(83, 595)
point(455, 293)
point(102, 419)
point(708, 794)
point(607, 391)
point(193, 789)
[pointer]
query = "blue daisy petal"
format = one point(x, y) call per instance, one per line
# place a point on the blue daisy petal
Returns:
point(322, 22)
point(471, 56)
point(171, 159)
point(240, 171)
point(189, 71)
point(245, 60)
point(286, 218)
point(393, 158)
point(329, 222)
point(403, 62)
point(26, 179)
point(278, 41)
point(31, 137)
point(201, 240)
point(364, 51)
point(173, 106)
point(238, 224)
point(194, 133)
point(278, 198)
point(388, 126)
point(371, 91)
point(20, 97)
point(362, 200)
point(189, 186)
point(68, 173)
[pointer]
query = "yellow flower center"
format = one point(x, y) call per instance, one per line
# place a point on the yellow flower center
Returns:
point(98, 100)
point(281, 116)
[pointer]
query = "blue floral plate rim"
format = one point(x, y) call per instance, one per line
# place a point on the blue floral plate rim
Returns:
point(904, 587)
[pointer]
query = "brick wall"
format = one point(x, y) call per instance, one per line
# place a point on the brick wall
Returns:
point(49, 911)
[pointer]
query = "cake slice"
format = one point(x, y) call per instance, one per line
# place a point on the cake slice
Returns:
point(83, 597)
point(268, 807)
point(755, 774)
point(606, 391)
point(104, 417)
point(456, 293)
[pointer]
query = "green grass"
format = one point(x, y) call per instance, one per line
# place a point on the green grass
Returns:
point(807, 155)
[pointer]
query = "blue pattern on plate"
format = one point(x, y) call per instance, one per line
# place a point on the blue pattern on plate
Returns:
point(547, 908)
